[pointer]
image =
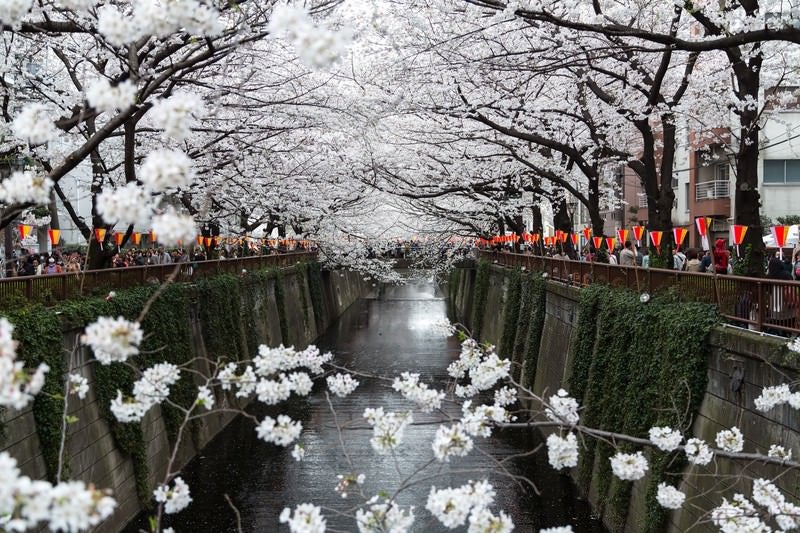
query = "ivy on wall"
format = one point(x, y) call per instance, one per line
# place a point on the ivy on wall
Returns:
point(480, 294)
point(218, 301)
point(315, 291)
point(280, 301)
point(511, 315)
point(639, 366)
point(40, 341)
point(537, 294)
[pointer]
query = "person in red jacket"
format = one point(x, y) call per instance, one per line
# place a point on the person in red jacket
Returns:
point(721, 256)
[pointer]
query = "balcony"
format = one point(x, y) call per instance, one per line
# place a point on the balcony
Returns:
point(713, 190)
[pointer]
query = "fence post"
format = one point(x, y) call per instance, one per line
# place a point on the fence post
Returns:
point(760, 324)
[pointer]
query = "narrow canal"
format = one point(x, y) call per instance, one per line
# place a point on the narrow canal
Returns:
point(386, 335)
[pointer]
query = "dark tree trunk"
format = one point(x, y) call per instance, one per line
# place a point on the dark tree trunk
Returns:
point(747, 201)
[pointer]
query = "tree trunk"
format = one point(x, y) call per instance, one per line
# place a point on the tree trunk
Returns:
point(747, 201)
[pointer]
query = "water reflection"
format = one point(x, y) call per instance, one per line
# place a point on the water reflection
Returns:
point(386, 335)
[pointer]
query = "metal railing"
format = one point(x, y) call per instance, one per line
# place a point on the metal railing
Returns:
point(51, 288)
point(712, 190)
point(771, 306)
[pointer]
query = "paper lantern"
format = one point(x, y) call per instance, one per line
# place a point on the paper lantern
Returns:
point(100, 234)
point(587, 233)
point(118, 238)
point(737, 234)
point(781, 233)
point(598, 242)
point(199, 240)
point(152, 236)
point(638, 233)
point(563, 237)
point(574, 237)
point(622, 236)
point(655, 238)
point(55, 235)
point(679, 234)
point(207, 242)
point(703, 224)
point(610, 243)
point(24, 230)
point(136, 237)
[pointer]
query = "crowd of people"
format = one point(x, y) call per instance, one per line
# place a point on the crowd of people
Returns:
point(30, 263)
point(720, 259)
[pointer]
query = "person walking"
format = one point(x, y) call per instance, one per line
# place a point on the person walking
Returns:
point(721, 257)
point(693, 264)
point(626, 256)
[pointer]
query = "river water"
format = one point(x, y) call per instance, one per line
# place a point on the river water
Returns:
point(386, 335)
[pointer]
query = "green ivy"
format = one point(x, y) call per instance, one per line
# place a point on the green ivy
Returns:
point(315, 291)
point(219, 304)
point(280, 301)
point(511, 307)
point(628, 356)
point(167, 323)
point(40, 341)
point(479, 301)
point(537, 295)
point(302, 275)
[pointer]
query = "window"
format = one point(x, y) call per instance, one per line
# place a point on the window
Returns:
point(722, 172)
point(686, 188)
point(782, 171)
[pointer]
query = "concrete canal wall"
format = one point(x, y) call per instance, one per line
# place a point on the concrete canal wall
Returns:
point(732, 367)
point(225, 317)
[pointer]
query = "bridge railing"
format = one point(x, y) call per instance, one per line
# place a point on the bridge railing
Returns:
point(50, 288)
point(759, 304)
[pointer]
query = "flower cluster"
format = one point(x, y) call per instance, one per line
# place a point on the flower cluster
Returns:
point(772, 397)
point(563, 408)
point(281, 431)
point(151, 389)
point(316, 44)
point(478, 421)
point(78, 385)
point(17, 387)
point(67, 506)
point(341, 384)
point(730, 440)
point(737, 515)
point(173, 228)
point(562, 452)
point(177, 114)
point(666, 439)
point(166, 169)
point(384, 517)
point(105, 98)
point(669, 497)
point(484, 368)
point(25, 187)
point(452, 507)
point(205, 397)
point(113, 339)
point(779, 452)
point(451, 441)
point(175, 499)
point(128, 204)
point(629, 466)
point(151, 17)
point(307, 518)
point(698, 452)
point(272, 360)
point(34, 124)
point(409, 386)
point(387, 428)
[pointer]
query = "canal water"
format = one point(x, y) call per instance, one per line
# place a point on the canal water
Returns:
point(386, 335)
